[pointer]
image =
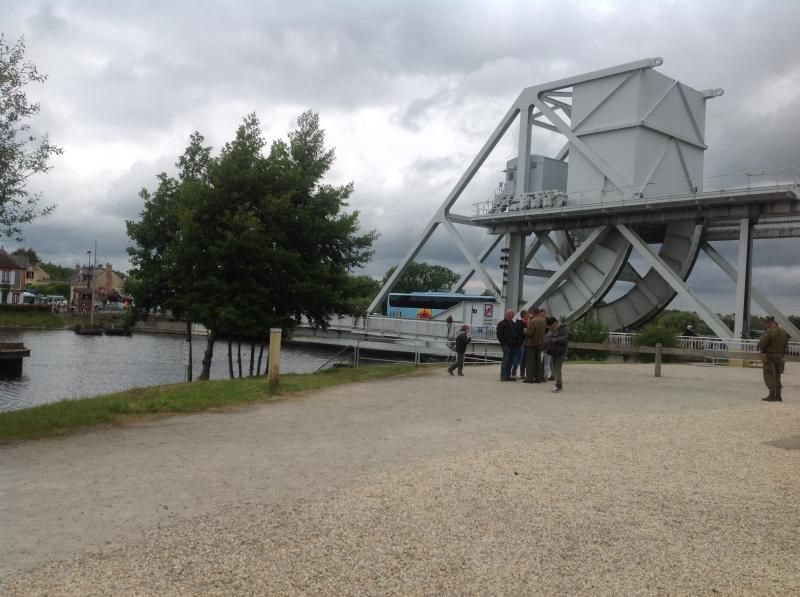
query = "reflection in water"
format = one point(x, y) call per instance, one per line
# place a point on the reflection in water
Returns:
point(66, 365)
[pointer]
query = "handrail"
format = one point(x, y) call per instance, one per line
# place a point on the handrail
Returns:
point(642, 193)
point(334, 357)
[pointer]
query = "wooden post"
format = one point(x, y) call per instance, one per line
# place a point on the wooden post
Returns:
point(658, 359)
point(274, 371)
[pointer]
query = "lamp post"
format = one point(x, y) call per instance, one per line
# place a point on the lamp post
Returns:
point(91, 288)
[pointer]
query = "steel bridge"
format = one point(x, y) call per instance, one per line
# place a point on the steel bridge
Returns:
point(633, 157)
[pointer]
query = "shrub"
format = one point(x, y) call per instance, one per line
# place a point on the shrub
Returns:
point(588, 329)
point(25, 308)
point(652, 334)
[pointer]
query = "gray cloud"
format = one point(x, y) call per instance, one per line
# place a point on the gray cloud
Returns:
point(130, 81)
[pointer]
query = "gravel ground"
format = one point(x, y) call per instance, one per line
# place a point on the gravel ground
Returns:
point(624, 484)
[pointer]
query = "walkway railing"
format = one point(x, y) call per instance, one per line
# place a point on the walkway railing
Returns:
point(652, 193)
point(435, 331)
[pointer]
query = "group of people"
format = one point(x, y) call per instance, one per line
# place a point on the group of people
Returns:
point(535, 345)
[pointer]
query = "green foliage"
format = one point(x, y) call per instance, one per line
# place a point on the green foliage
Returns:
point(652, 334)
point(21, 153)
point(423, 277)
point(34, 317)
point(678, 320)
point(358, 294)
point(588, 329)
point(24, 308)
point(51, 288)
point(27, 253)
point(58, 272)
point(243, 241)
point(68, 416)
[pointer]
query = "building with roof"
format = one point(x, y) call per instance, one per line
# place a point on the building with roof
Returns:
point(12, 279)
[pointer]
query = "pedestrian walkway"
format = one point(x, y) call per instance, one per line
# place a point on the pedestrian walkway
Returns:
point(429, 484)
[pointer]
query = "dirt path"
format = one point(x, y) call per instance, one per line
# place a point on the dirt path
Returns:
point(103, 491)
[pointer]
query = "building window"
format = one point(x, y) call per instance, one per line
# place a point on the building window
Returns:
point(5, 278)
point(29, 275)
point(15, 298)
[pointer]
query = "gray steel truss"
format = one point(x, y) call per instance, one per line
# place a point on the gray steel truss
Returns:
point(590, 242)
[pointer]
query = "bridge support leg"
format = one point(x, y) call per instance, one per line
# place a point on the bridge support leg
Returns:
point(741, 327)
point(515, 271)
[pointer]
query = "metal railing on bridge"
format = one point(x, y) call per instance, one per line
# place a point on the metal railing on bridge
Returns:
point(440, 331)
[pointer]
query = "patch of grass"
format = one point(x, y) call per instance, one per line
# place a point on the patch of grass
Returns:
point(30, 319)
point(68, 416)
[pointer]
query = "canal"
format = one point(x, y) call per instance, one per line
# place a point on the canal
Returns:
point(65, 365)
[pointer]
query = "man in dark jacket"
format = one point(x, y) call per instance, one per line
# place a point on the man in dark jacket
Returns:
point(507, 339)
point(518, 360)
point(462, 339)
point(555, 344)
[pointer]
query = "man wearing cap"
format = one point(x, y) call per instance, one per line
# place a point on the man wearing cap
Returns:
point(772, 346)
point(689, 331)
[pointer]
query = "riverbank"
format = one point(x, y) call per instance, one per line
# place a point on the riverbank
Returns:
point(122, 408)
point(622, 484)
point(38, 321)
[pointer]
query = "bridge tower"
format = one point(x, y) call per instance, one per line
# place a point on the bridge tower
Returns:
point(629, 177)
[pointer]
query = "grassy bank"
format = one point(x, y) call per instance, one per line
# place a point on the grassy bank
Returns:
point(10, 319)
point(68, 416)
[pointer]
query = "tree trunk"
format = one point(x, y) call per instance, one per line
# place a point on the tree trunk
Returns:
point(260, 354)
point(189, 340)
point(239, 355)
point(206, 372)
point(252, 357)
point(230, 356)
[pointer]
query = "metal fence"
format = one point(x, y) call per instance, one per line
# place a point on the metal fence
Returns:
point(654, 192)
point(435, 331)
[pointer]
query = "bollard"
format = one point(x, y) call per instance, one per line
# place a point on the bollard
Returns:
point(658, 360)
point(274, 370)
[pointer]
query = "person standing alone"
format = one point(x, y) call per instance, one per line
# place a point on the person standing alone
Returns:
point(555, 344)
point(772, 346)
point(462, 339)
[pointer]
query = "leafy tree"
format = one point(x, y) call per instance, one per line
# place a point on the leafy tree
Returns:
point(423, 277)
point(50, 288)
point(252, 241)
point(28, 254)
point(21, 153)
point(158, 279)
point(588, 329)
point(358, 294)
point(58, 272)
point(652, 334)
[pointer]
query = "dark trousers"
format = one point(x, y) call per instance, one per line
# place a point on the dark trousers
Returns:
point(517, 362)
point(555, 367)
point(505, 364)
point(533, 366)
point(773, 367)
point(459, 364)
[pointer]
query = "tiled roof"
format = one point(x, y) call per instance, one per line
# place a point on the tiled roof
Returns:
point(8, 262)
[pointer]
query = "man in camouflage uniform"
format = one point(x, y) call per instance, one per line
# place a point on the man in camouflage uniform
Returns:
point(772, 346)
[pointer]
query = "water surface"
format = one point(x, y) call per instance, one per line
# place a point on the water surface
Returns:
point(66, 365)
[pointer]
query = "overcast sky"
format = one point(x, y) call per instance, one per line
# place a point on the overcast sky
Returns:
point(407, 91)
